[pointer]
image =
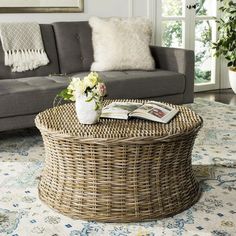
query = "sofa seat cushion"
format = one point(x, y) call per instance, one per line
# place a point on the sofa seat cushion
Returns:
point(142, 84)
point(34, 94)
point(29, 95)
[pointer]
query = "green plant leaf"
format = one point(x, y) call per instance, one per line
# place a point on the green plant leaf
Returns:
point(65, 94)
point(89, 99)
point(226, 44)
point(230, 64)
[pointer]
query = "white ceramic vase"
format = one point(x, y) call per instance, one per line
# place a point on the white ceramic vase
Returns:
point(85, 111)
point(232, 79)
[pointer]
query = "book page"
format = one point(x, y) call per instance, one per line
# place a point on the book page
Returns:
point(155, 111)
point(119, 110)
point(161, 106)
point(152, 110)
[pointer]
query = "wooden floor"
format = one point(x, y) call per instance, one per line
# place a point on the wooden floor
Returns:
point(226, 96)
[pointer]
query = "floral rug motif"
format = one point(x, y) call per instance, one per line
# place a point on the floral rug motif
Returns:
point(214, 160)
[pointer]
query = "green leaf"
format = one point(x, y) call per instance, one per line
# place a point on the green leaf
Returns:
point(89, 99)
point(97, 106)
point(230, 64)
point(226, 44)
point(65, 94)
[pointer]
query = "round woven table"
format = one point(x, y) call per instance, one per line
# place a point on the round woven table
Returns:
point(118, 170)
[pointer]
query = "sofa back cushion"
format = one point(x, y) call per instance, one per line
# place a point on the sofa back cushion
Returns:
point(51, 50)
point(74, 45)
point(121, 43)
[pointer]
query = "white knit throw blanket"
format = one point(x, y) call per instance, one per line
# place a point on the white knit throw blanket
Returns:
point(23, 46)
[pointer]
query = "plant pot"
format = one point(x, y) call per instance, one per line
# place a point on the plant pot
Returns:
point(232, 79)
point(86, 111)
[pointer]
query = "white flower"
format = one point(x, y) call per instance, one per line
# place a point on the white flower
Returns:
point(77, 85)
point(91, 86)
point(91, 80)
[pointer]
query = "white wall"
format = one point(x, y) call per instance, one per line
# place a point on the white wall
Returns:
point(123, 8)
point(103, 8)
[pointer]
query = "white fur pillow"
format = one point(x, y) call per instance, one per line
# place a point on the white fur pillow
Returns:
point(121, 44)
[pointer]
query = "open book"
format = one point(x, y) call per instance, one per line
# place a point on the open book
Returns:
point(154, 111)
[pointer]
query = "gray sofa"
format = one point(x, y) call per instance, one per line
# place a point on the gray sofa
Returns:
point(70, 51)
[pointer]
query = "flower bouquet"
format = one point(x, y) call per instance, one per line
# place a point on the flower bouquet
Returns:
point(88, 95)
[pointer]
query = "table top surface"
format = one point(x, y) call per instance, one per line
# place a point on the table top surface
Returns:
point(62, 121)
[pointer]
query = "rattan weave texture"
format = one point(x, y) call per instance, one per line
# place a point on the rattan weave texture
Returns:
point(118, 171)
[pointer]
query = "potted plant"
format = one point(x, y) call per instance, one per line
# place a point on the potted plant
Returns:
point(88, 94)
point(226, 44)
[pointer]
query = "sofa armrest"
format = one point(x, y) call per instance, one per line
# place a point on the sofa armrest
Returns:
point(177, 60)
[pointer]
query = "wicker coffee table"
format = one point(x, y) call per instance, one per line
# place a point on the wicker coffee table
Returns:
point(116, 170)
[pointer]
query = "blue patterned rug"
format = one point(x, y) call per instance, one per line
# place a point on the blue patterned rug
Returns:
point(214, 158)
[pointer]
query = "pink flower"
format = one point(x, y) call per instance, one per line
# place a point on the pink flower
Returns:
point(102, 90)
